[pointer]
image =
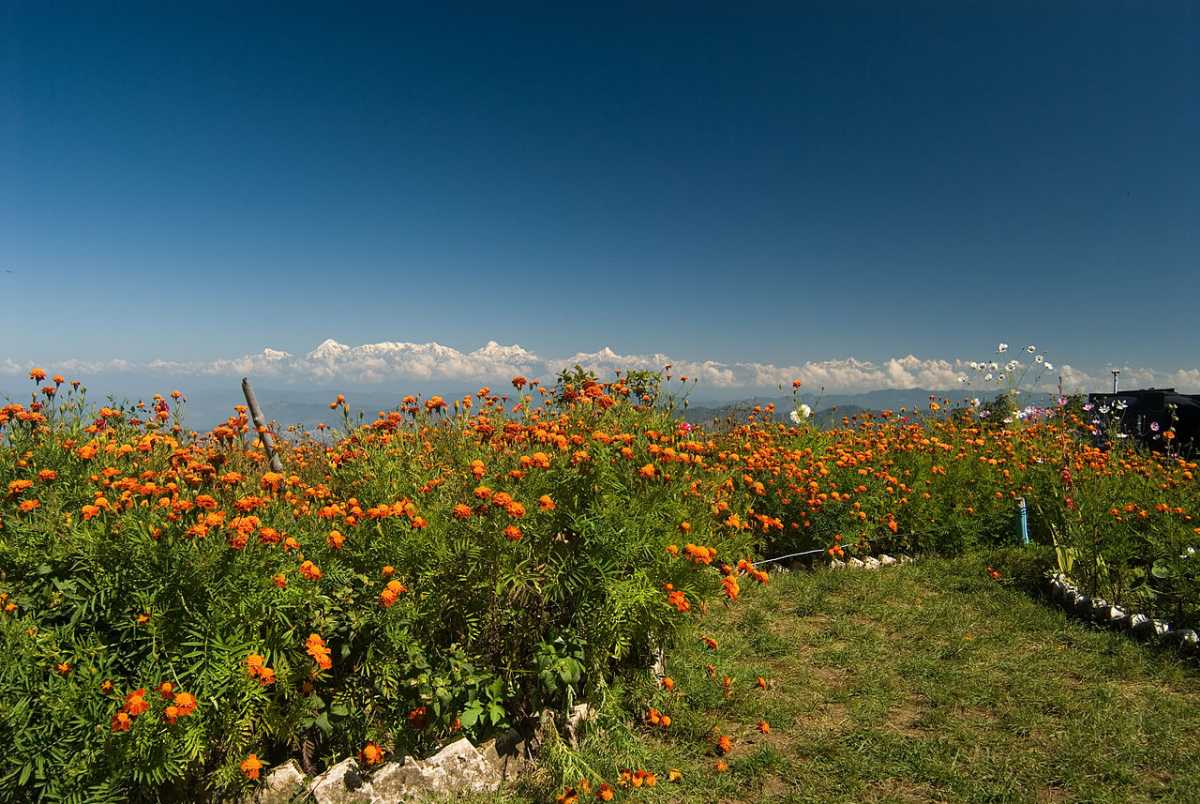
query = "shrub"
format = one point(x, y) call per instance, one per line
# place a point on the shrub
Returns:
point(438, 571)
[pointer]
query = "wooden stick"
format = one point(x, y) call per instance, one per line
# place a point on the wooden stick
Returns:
point(260, 426)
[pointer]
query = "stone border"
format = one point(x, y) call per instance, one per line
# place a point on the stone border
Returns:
point(871, 563)
point(1099, 611)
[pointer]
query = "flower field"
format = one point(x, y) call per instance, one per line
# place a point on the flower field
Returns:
point(176, 616)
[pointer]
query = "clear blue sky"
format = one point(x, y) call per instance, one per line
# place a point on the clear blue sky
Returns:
point(781, 182)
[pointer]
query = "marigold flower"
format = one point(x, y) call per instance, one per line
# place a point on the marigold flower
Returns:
point(135, 703)
point(764, 727)
point(165, 689)
point(310, 570)
point(371, 754)
point(674, 775)
point(512, 533)
point(418, 717)
point(251, 766)
point(679, 600)
point(185, 702)
point(121, 722)
point(315, 647)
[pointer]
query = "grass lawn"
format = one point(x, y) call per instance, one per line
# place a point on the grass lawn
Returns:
point(928, 682)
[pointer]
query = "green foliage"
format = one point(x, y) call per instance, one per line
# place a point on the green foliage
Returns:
point(462, 569)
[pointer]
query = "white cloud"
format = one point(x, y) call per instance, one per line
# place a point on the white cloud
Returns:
point(333, 362)
point(1186, 380)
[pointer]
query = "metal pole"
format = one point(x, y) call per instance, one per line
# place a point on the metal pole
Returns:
point(1115, 372)
point(260, 426)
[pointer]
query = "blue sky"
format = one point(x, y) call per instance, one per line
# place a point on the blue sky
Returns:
point(780, 185)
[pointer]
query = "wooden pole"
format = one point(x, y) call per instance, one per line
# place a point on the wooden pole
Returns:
point(260, 426)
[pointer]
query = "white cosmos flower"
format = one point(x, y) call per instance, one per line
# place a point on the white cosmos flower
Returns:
point(1002, 348)
point(1049, 366)
point(1039, 359)
point(974, 364)
point(988, 376)
point(975, 402)
point(963, 380)
point(800, 414)
point(1011, 365)
point(1000, 378)
point(1031, 348)
point(993, 365)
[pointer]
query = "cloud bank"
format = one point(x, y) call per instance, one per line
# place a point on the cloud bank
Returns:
point(374, 363)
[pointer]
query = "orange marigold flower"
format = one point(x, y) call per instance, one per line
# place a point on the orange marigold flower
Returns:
point(165, 689)
point(764, 727)
point(315, 647)
point(171, 714)
point(255, 664)
point(371, 754)
point(512, 533)
point(310, 570)
point(668, 683)
point(730, 586)
point(37, 374)
point(266, 676)
point(546, 503)
point(679, 600)
point(135, 702)
point(121, 722)
point(647, 471)
point(721, 766)
point(63, 668)
point(251, 766)
point(710, 643)
point(418, 717)
point(336, 540)
point(185, 702)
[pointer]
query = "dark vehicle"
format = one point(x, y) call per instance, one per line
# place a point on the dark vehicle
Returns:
point(1147, 414)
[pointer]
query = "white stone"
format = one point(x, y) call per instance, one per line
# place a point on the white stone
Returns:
point(854, 563)
point(458, 767)
point(837, 565)
point(871, 563)
point(282, 784)
point(886, 560)
point(580, 714)
point(342, 784)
